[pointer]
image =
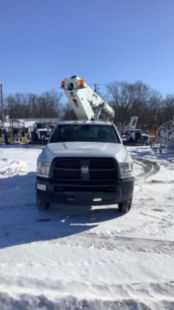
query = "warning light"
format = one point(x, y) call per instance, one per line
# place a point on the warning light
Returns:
point(81, 83)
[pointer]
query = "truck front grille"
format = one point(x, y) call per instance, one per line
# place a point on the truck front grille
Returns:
point(84, 170)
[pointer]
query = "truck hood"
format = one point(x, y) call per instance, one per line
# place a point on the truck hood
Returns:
point(87, 149)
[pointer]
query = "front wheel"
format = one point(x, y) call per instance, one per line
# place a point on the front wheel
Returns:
point(42, 205)
point(125, 206)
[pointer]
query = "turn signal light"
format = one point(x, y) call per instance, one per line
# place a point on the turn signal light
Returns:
point(62, 84)
point(81, 83)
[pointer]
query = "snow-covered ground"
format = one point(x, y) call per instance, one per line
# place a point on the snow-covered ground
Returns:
point(70, 257)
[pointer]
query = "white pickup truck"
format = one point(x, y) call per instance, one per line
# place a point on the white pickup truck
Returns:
point(85, 161)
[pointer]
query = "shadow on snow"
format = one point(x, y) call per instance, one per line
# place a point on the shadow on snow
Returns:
point(22, 223)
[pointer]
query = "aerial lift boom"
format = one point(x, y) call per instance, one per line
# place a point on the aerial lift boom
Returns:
point(86, 103)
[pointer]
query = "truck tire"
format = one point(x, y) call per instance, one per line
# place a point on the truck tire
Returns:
point(125, 206)
point(42, 205)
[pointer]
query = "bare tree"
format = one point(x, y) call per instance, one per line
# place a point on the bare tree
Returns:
point(68, 113)
point(130, 99)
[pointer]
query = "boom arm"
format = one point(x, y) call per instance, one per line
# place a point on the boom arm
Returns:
point(86, 103)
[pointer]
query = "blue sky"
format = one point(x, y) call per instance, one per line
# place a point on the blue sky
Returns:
point(43, 41)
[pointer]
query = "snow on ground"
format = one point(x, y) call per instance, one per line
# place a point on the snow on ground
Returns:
point(72, 257)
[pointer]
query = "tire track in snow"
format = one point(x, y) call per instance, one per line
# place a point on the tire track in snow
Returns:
point(149, 168)
point(120, 243)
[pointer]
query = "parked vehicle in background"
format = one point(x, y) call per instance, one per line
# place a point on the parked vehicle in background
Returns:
point(136, 136)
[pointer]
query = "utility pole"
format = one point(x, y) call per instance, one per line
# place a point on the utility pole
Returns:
point(95, 87)
point(1, 104)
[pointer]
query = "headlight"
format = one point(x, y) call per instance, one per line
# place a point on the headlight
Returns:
point(43, 169)
point(126, 170)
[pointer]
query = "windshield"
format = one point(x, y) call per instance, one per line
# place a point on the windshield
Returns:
point(85, 132)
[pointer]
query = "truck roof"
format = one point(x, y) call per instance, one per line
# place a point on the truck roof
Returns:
point(85, 122)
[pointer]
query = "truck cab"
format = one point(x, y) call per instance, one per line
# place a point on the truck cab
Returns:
point(85, 161)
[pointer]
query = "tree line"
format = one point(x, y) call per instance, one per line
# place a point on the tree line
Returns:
point(127, 99)
point(47, 104)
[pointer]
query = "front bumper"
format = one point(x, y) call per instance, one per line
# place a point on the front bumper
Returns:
point(94, 193)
